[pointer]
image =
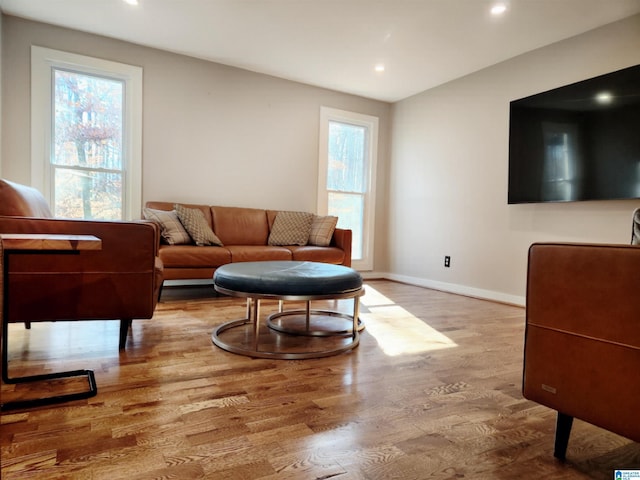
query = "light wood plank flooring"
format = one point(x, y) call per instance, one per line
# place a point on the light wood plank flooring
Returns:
point(432, 392)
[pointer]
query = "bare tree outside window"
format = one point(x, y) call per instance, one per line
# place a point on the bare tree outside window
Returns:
point(87, 146)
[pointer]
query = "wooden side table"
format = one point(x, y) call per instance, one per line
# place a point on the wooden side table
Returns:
point(39, 244)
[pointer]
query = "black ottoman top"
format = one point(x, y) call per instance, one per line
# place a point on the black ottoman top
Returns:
point(287, 278)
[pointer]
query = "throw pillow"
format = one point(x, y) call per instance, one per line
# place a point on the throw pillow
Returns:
point(196, 225)
point(171, 230)
point(291, 228)
point(322, 230)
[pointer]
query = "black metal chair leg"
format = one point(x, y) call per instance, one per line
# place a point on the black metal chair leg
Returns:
point(160, 291)
point(91, 390)
point(563, 430)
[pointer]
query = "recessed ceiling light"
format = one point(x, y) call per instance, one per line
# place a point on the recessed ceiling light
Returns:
point(498, 9)
point(379, 68)
point(131, 2)
point(604, 98)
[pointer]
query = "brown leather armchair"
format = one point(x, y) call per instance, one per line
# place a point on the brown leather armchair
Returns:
point(582, 340)
point(122, 281)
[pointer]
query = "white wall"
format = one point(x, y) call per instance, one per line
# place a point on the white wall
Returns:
point(211, 134)
point(1, 95)
point(448, 173)
point(215, 134)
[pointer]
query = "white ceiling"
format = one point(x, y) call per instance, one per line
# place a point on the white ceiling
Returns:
point(336, 43)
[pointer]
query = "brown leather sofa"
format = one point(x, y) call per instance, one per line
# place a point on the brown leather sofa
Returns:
point(582, 341)
point(244, 233)
point(122, 281)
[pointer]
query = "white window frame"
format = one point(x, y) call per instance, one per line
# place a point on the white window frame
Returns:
point(327, 115)
point(43, 61)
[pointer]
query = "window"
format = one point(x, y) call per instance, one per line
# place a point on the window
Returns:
point(348, 154)
point(86, 135)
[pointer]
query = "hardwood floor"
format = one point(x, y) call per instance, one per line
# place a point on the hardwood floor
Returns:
point(432, 392)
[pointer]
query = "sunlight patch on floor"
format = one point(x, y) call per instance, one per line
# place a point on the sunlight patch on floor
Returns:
point(373, 298)
point(397, 331)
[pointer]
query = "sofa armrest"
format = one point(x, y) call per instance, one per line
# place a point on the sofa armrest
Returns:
point(582, 339)
point(342, 239)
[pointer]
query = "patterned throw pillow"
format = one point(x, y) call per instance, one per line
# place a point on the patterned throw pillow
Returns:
point(322, 230)
point(171, 230)
point(291, 228)
point(194, 222)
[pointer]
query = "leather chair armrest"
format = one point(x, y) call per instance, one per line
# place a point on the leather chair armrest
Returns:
point(126, 246)
point(120, 281)
point(157, 232)
point(586, 289)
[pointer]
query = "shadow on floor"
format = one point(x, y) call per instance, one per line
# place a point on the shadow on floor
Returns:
point(188, 292)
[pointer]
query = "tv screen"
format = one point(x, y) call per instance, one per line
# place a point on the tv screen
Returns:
point(577, 142)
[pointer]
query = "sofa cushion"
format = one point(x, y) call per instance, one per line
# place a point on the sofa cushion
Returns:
point(240, 226)
point(192, 256)
point(311, 253)
point(322, 229)
point(196, 225)
point(258, 253)
point(291, 228)
point(171, 229)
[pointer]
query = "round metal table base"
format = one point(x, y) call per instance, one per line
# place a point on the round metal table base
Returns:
point(252, 346)
point(257, 353)
point(276, 321)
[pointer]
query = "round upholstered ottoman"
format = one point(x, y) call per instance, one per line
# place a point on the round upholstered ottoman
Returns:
point(288, 281)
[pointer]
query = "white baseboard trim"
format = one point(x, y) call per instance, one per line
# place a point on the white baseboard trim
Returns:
point(417, 281)
point(448, 287)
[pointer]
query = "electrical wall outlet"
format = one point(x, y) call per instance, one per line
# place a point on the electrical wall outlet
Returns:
point(447, 261)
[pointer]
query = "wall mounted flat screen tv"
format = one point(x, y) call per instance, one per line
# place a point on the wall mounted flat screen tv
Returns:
point(577, 142)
